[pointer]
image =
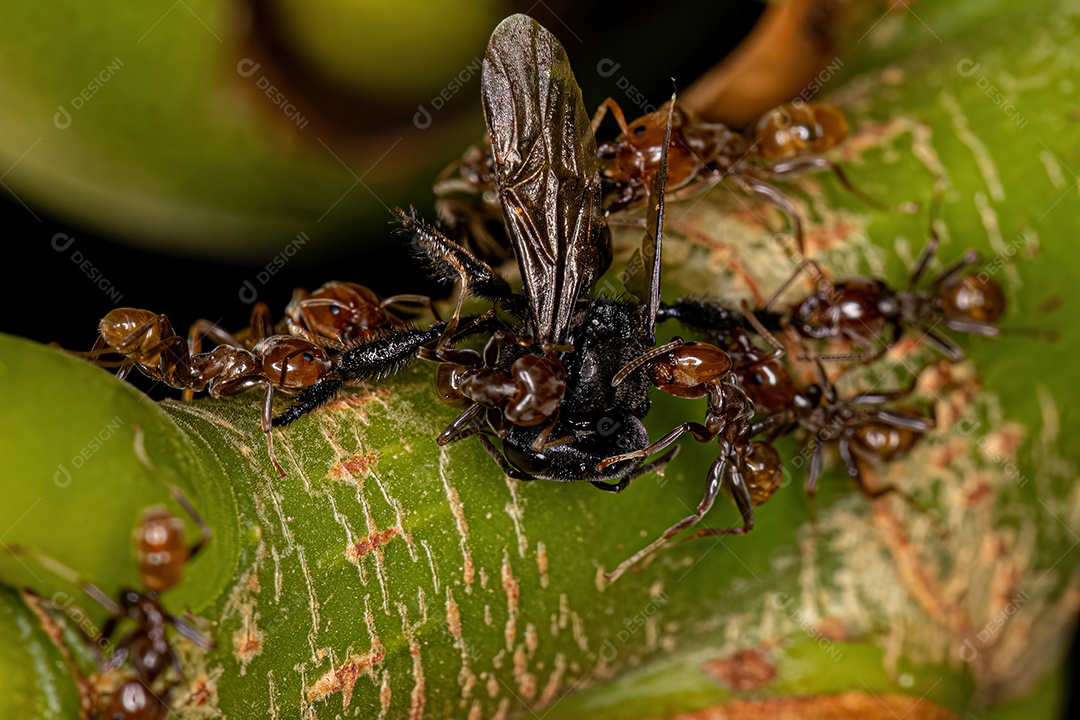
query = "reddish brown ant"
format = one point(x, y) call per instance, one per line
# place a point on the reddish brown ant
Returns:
point(865, 310)
point(343, 312)
point(787, 142)
point(749, 471)
point(146, 341)
point(162, 553)
point(860, 428)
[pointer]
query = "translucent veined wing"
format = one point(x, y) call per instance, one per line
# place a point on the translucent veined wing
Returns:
point(547, 172)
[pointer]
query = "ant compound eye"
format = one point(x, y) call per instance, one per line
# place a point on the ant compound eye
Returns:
point(308, 357)
point(528, 461)
point(639, 130)
point(334, 310)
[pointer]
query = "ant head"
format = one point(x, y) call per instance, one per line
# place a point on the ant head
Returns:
point(291, 362)
point(687, 370)
point(341, 310)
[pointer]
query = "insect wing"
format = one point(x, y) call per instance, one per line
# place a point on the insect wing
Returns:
point(547, 171)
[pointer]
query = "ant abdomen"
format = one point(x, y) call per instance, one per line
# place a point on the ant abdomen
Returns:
point(135, 333)
point(135, 701)
point(882, 443)
point(762, 471)
point(160, 549)
point(799, 130)
point(972, 297)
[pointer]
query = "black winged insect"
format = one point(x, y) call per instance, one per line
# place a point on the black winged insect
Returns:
point(564, 381)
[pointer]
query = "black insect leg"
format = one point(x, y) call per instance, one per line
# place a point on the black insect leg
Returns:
point(622, 484)
point(311, 398)
point(502, 462)
point(388, 353)
point(452, 262)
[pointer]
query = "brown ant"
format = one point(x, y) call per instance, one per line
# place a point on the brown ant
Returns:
point(788, 141)
point(859, 426)
point(162, 554)
point(344, 312)
point(864, 310)
point(529, 393)
point(143, 340)
point(749, 471)
point(146, 341)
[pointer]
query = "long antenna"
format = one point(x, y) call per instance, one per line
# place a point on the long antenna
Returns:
point(655, 224)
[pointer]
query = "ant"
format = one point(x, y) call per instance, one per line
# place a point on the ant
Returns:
point(859, 426)
point(344, 312)
point(146, 341)
point(162, 555)
point(865, 309)
point(544, 387)
point(787, 141)
point(143, 340)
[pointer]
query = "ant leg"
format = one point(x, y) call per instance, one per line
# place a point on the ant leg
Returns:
point(903, 421)
point(699, 431)
point(767, 193)
point(822, 283)
point(741, 494)
point(189, 631)
point(712, 488)
point(616, 112)
point(422, 300)
point(502, 462)
point(971, 257)
point(622, 484)
point(815, 467)
point(943, 345)
point(461, 427)
point(201, 329)
point(860, 481)
point(267, 425)
point(973, 327)
point(799, 166)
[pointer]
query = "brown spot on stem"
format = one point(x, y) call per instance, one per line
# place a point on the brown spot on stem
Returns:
point(744, 670)
point(365, 545)
point(357, 466)
point(344, 678)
